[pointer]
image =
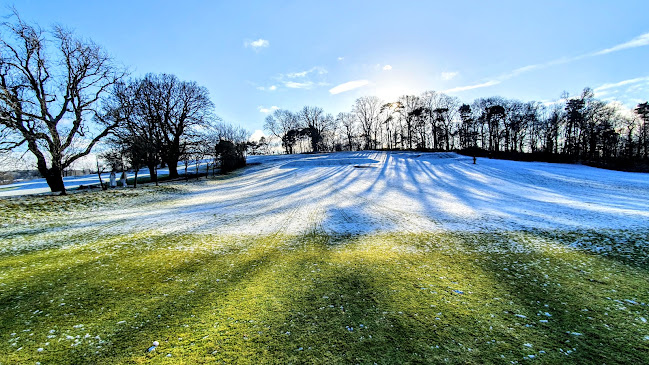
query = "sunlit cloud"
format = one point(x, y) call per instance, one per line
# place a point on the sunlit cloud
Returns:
point(306, 79)
point(341, 58)
point(628, 90)
point(267, 110)
point(257, 135)
point(621, 83)
point(297, 74)
point(387, 68)
point(298, 85)
point(622, 109)
point(549, 102)
point(317, 69)
point(351, 85)
point(471, 87)
point(449, 75)
point(640, 41)
point(269, 88)
point(258, 44)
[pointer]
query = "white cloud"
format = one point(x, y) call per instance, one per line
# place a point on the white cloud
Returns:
point(296, 74)
point(549, 102)
point(267, 110)
point(449, 75)
point(256, 135)
point(317, 69)
point(258, 44)
point(622, 109)
point(269, 88)
point(639, 41)
point(626, 91)
point(298, 85)
point(621, 83)
point(341, 58)
point(306, 79)
point(387, 68)
point(351, 85)
point(471, 87)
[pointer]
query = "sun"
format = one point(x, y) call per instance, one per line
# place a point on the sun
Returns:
point(389, 86)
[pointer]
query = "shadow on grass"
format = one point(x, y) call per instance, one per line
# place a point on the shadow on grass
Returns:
point(393, 298)
point(125, 300)
point(576, 305)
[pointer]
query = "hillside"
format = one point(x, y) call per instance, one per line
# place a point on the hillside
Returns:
point(386, 257)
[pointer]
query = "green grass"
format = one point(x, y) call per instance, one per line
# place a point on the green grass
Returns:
point(385, 298)
point(52, 208)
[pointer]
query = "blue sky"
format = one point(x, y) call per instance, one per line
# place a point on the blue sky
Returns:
point(253, 56)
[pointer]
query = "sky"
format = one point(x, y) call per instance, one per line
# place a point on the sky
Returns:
point(255, 57)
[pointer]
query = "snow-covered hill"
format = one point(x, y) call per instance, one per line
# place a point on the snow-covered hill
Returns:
point(359, 192)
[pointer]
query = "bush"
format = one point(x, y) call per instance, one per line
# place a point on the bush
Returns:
point(231, 156)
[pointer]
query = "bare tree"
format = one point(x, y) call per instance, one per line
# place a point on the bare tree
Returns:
point(178, 108)
point(642, 110)
point(467, 131)
point(280, 123)
point(388, 110)
point(534, 113)
point(349, 128)
point(138, 136)
point(410, 113)
point(317, 124)
point(367, 110)
point(49, 98)
point(431, 101)
point(450, 106)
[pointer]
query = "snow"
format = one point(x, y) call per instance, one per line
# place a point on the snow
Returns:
point(39, 186)
point(363, 192)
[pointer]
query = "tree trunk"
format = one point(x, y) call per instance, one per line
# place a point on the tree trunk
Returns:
point(314, 142)
point(99, 172)
point(54, 180)
point(173, 168)
point(153, 174)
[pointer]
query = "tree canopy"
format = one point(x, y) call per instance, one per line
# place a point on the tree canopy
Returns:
point(51, 87)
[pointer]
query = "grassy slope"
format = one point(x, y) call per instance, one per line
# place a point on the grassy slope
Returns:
point(385, 298)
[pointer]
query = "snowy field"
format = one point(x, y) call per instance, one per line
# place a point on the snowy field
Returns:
point(39, 186)
point(365, 192)
point(365, 257)
point(359, 193)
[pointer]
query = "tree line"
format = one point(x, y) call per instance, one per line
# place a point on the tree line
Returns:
point(166, 121)
point(62, 95)
point(580, 128)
